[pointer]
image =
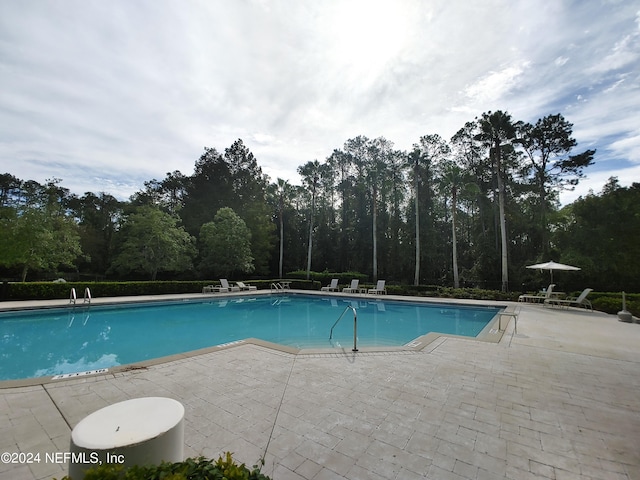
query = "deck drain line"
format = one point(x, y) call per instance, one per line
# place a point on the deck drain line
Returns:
point(275, 420)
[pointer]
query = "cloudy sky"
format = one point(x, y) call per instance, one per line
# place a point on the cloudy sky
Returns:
point(108, 94)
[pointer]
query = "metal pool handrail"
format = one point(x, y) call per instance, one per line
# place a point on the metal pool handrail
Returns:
point(355, 326)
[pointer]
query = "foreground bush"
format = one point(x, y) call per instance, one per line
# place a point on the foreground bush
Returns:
point(191, 469)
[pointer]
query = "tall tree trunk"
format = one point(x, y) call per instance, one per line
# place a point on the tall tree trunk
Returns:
point(281, 241)
point(313, 207)
point(416, 278)
point(544, 228)
point(344, 240)
point(309, 251)
point(375, 240)
point(503, 226)
point(456, 280)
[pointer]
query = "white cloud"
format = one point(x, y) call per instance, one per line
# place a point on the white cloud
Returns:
point(496, 85)
point(109, 94)
point(595, 181)
point(627, 147)
point(624, 52)
point(560, 61)
point(622, 55)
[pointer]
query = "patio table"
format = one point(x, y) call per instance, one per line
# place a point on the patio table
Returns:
point(138, 431)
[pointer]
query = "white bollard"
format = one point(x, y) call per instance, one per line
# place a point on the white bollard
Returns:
point(141, 431)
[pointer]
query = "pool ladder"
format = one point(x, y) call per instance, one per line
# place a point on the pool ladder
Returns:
point(72, 302)
point(355, 326)
point(277, 287)
point(73, 297)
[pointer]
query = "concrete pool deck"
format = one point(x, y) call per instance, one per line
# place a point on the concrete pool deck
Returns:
point(559, 399)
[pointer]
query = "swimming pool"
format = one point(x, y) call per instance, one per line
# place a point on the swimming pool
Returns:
point(65, 340)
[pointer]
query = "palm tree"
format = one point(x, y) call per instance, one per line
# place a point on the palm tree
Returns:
point(372, 158)
point(429, 150)
point(414, 162)
point(341, 163)
point(379, 159)
point(310, 172)
point(496, 129)
point(454, 181)
point(281, 192)
point(395, 192)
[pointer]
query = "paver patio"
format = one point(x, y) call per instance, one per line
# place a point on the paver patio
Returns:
point(559, 400)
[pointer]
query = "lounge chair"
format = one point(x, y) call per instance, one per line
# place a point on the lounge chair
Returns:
point(353, 288)
point(226, 287)
point(379, 290)
point(332, 287)
point(580, 301)
point(538, 298)
point(214, 288)
point(242, 286)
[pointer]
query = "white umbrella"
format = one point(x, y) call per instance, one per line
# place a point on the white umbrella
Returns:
point(551, 266)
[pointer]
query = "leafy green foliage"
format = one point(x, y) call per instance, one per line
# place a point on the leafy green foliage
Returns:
point(475, 294)
point(250, 202)
point(224, 468)
point(325, 277)
point(35, 238)
point(225, 245)
point(612, 302)
point(152, 241)
point(549, 167)
point(98, 217)
point(600, 234)
point(230, 180)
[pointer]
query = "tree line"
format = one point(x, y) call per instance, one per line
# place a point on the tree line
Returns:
point(472, 210)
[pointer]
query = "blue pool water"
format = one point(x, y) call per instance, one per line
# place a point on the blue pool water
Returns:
point(66, 340)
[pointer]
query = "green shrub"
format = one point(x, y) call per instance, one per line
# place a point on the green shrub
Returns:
point(477, 294)
point(38, 290)
point(607, 304)
point(612, 302)
point(51, 290)
point(225, 468)
point(429, 290)
point(344, 278)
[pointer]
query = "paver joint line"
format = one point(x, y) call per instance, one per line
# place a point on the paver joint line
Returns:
point(57, 408)
point(275, 420)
